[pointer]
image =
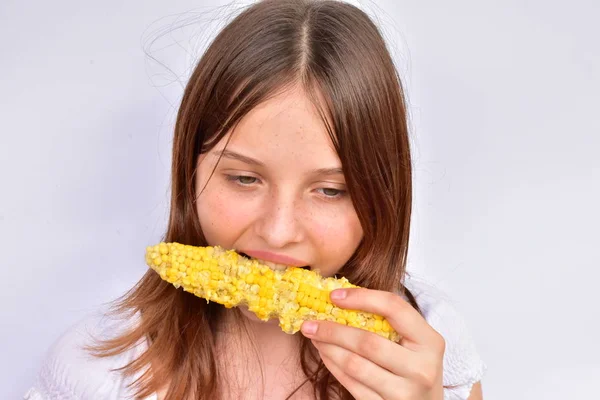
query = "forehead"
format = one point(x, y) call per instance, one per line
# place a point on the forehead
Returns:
point(288, 122)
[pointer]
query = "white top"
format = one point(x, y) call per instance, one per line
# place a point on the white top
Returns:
point(69, 373)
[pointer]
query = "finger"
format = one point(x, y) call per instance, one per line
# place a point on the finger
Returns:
point(383, 352)
point(400, 314)
point(356, 389)
point(385, 384)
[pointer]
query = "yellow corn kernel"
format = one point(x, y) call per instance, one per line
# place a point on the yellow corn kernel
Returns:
point(324, 296)
point(227, 278)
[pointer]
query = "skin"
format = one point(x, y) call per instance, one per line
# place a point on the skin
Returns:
point(280, 203)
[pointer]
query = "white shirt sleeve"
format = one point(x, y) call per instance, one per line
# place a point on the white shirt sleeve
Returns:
point(463, 366)
point(69, 372)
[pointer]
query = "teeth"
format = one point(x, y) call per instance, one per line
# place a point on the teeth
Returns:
point(272, 265)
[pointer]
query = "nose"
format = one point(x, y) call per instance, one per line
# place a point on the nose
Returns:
point(279, 223)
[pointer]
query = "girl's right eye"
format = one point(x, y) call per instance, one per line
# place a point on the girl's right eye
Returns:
point(243, 180)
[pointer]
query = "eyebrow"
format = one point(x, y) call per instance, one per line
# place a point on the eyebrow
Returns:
point(252, 161)
point(237, 156)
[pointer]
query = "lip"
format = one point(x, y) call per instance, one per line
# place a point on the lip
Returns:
point(275, 258)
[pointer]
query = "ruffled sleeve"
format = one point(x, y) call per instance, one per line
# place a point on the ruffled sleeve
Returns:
point(69, 372)
point(463, 366)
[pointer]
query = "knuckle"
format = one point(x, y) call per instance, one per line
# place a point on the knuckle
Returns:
point(426, 377)
point(354, 365)
point(430, 374)
point(369, 343)
point(325, 330)
point(396, 301)
point(423, 373)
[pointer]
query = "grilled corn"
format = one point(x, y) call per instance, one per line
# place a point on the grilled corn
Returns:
point(228, 278)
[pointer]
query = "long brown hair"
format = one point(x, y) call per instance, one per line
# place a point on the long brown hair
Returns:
point(338, 55)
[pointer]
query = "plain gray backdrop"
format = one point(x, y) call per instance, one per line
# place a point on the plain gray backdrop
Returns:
point(503, 99)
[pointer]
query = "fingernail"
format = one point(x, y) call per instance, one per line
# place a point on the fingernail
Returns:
point(338, 294)
point(309, 327)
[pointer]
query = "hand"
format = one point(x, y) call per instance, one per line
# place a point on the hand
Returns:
point(372, 367)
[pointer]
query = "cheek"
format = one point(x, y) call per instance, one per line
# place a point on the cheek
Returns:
point(220, 216)
point(336, 236)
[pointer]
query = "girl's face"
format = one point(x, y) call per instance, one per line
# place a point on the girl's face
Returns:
point(278, 193)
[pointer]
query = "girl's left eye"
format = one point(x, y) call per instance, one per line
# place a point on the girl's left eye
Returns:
point(331, 192)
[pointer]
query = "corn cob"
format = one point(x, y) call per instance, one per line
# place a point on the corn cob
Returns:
point(230, 279)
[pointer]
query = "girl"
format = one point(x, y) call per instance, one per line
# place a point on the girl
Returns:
point(291, 146)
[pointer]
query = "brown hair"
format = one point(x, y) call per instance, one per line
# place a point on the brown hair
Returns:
point(333, 50)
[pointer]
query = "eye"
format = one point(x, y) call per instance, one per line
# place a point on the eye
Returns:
point(246, 180)
point(243, 180)
point(331, 192)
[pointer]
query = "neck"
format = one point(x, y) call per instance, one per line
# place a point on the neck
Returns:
point(254, 354)
point(243, 327)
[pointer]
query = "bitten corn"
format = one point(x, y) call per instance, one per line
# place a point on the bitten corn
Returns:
point(230, 279)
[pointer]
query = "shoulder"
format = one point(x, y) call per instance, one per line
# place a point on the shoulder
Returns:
point(463, 365)
point(69, 371)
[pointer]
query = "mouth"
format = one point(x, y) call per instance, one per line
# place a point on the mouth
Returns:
point(272, 265)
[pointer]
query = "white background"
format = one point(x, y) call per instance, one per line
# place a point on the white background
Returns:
point(503, 97)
